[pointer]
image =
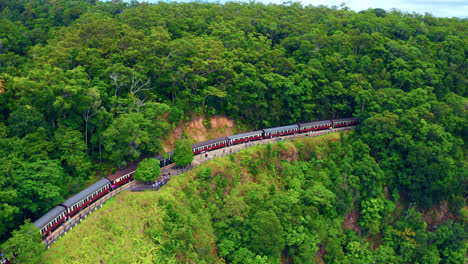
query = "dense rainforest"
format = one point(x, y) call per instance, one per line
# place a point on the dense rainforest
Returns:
point(90, 85)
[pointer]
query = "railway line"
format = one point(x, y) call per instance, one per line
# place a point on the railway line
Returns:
point(168, 172)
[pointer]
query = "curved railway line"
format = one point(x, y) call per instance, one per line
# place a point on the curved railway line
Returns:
point(61, 219)
point(166, 173)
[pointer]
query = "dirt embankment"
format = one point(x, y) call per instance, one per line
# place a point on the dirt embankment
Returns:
point(195, 129)
point(437, 215)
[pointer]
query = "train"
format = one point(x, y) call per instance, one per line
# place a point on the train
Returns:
point(59, 214)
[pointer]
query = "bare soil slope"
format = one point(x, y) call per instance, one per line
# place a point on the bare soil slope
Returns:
point(195, 129)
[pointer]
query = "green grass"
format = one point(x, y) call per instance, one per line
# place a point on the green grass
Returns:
point(113, 234)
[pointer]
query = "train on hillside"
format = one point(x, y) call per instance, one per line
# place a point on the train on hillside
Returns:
point(59, 214)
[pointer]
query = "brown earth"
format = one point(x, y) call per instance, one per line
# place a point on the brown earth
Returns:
point(195, 129)
point(318, 257)
point(437, 215)
point(351, 220)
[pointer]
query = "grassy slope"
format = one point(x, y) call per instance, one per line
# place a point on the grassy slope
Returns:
point(135, 227)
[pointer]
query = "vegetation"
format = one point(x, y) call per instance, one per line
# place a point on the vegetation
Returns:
point(183, 154)
point(148, 170)
point(26, 244)
point(88, 85)
point(287, 201)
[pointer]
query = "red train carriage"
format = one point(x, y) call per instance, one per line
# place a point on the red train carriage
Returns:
point(122, 176)
point(245, 137)
point(280, 131)
point(87, 196)
point(209, 145)
point(345, 122)
point(50, 221)
point(313, 126)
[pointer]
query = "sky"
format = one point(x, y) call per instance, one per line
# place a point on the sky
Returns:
point(437, 8)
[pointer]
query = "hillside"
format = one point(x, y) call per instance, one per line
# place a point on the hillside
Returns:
point(200, 129)
point(287, 202)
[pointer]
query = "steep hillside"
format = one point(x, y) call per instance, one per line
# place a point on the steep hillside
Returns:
point(287, 202)
point(201, 129)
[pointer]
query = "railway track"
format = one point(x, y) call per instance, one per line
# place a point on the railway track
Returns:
point(170, 171)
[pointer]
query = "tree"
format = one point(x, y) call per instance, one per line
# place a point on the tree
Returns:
point(72, 151)
point(132, 134)
point(148, 170)
point(126, 138)
point(26, 243)
point(267, 235)
point(92, 102)
point(36, 145)
point(209, 91)
point(24, 121)
point(371, 214)
point(183, 154)
point(41, 185)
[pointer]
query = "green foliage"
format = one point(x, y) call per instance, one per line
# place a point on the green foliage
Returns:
point(204, 173)
point(72, 151)
point(24, 121)
point(267, 234)
point(26, 243)
point(412, 144)
point(148, 170)
point(39, 186)
point(371, 214)
point(130, 135)
point(183, 154)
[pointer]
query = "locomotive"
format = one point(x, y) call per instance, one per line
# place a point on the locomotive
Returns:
point(58, 215)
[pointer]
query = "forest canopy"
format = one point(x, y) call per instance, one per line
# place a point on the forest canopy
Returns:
point(88, 85)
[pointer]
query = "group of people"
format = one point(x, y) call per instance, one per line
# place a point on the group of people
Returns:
point(163, 179)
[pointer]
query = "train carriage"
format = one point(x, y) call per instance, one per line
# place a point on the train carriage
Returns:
point(345, 122)
point(280, 131)
point(209, 145)
point(87, 196)
point(245, 137)
point(123, 176)
point(50, 221)
point(313, 126)
point(166, 159)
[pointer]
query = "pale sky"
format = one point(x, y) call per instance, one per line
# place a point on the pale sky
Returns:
point(438, 8)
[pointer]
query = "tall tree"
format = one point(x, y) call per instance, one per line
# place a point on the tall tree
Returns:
point(183, 154)
point(267, 235)
point(72, 151)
